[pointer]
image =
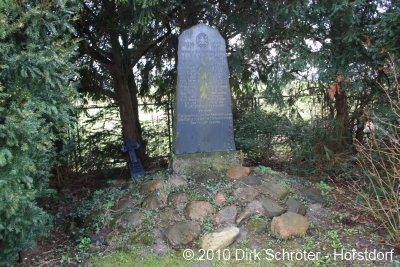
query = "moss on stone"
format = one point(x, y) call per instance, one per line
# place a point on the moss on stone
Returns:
point(256, 225)
point(141, 238)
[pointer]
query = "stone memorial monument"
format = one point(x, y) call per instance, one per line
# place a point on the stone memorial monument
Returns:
point(203, 113)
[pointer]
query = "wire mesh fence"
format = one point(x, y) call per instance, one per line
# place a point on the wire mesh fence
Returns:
point(98, 135)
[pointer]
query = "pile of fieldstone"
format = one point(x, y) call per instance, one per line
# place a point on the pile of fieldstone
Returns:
point(256, 194)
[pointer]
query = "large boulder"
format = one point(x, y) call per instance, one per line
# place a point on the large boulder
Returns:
point(295, 206)
point(312, 195)
point(289, 224)
point(126, 204)
point(156, 200)
point(227, 215)
point(221, 239)
point(253, 208)
point(256, 226)
point(154, 185)
point(196, 210)
point(250, 181)
point(169, 216)
point(271, 207)
point(178, 200)
point(237, 172)
point(246, 194)
point(274, 190)
point(177, 180)
point(132, 219)
point(182, 234)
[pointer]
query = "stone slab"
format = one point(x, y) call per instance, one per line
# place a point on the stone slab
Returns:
point(217, 161)
point(203, 120)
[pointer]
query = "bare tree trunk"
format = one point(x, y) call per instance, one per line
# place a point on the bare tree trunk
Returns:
point(129, 119)
point(136, 120)
point(342, 116)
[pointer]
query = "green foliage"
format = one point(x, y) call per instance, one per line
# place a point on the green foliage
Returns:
point(263, 169)
point(93, 212)
point(82, 248)
point(36, 91)
point(326, 40)
point(315, 148)
point(98, 139)
point(256, 129)
point(308, 147)
point(269, 44)
point(156, 133)
point(98, 144)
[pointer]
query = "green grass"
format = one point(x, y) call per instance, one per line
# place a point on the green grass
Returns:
point(129, 259)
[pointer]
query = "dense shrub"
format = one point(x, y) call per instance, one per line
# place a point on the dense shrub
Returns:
point(257, 130)
point(98, 140)
point(36, 92)
point(378, 184)
point(315, 148)
point(304, 147)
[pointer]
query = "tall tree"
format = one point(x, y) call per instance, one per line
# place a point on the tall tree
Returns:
point(338, 43)
point(116, 36)
point(133, 45)
point(37, 71)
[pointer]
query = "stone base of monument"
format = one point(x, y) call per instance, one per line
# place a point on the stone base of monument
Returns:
point(197, 162)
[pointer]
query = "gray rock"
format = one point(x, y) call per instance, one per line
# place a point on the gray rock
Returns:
point(273, 189)
point(227, 215)
point(201, 191)
point(154, 185)
point(250, 181)
point(289, 224)
point(295, 206)
point(312, 195)
point(271, 208)
point(246, 194)
point(130, 185)
point(156, 200)
point(170, 216)
point(131, 220)
point(177, 200)
point(317, 215)
point(253, 208)
point(196, 210)
point(182, 234)
point(125, 204)
point(221, 239)
point(243, 235)
point(274, 175)
point(177, 180)
point(94, 248)
point(315, 207)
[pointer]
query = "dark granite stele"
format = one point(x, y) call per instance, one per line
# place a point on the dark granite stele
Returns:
point(203, 120)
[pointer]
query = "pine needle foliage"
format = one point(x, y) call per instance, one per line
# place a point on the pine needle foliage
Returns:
point(37, 87)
